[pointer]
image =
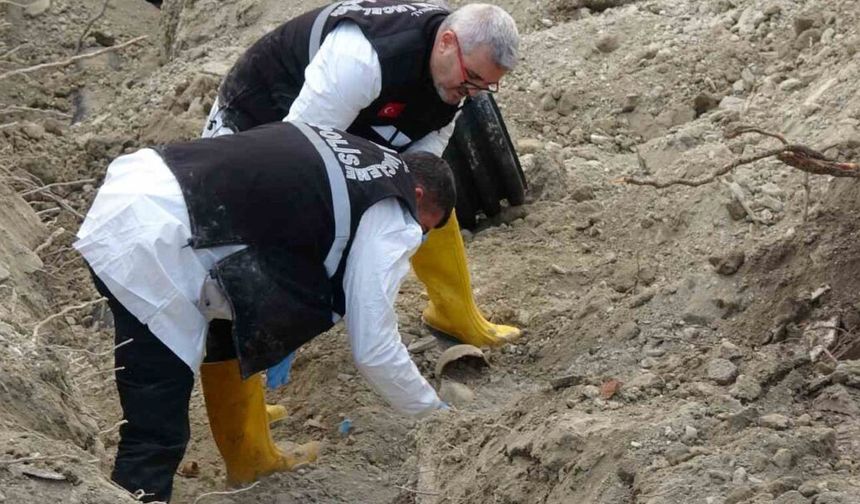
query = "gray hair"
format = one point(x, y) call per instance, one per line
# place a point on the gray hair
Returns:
point(480, 24)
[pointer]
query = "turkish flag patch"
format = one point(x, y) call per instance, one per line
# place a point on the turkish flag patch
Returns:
point(391, 110)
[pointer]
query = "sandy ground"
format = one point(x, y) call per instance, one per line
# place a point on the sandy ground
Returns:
point(708, 335)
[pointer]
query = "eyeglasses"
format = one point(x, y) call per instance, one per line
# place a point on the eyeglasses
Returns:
point(468, 85)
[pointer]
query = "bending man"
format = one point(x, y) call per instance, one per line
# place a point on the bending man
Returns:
point(393, 72)
point(241, 249)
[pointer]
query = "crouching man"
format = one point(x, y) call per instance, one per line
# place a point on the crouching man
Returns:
point(226, 255)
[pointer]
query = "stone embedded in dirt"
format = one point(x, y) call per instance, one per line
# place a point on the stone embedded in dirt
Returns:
point(808, 38)
point(456, 393)
point(729, 350)
point(33, 131)
point(790, 84)
point(642, 298)
point(582, 193)
point(791, 497)
point(804, 22)
point(704, 102)
point(677, 453)
point(783, 458)
point(645, 381)
point(739, 476)
point(529, 145)
point(567, 103)
point(736, 210)
point(628, 330)
point(691, 434)
point(809, 489)
point(722, 371)
point(728, 264)
point(739, 494)
point(774, 421)
point(547, 103)
point(102, 38)
point(631, 101)
point(607, 43)
point(732, 103)
point(746, 388)
point(610, 388)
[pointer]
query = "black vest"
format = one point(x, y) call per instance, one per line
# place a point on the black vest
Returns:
point(263, 84)
point(295, 195)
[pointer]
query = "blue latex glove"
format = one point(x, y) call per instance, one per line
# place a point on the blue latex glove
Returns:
point(279, 374)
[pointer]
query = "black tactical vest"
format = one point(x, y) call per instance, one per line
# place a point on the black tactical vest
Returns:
point(263, 84)
point(295, 195)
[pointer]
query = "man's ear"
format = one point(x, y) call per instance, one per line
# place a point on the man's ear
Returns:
point(447, 39)
point(419, 194)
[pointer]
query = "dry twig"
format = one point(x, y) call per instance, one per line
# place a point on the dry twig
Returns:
point(45, 457)
point(69, 61)
point(62, 312)
point(228, 492)
point(90, 25)
point(14, 109)
point(12, 51)
point(50, 241)
point(798, 156)
point(56, 184)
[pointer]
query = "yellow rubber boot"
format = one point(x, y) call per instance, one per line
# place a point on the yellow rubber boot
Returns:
point(440, 264)
point(240, 425)
point(275, 413)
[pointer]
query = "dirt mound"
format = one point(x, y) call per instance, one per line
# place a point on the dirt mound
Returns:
point(688, 344)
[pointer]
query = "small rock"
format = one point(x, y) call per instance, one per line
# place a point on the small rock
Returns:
point(772, 9)
point(582, 193)
point(775, 421)
point(102, 38)
point(677, 453)
point(732, 103)
point(804, 420)
point(37, 7)
point(791, 497)
point(808, 38)
point(5, 274)
point(344, 377)
point(590, 391)
point(529, 145)
point(803, 23)
point(567, 103)
point(728, 264)
point(691, 434)
point(547, 103)
point(704, 102)
point(746, 388)
point(456, 393)
point(729, 350)
point(783, 458)
point(33, 131)
point(607, 43)
point(808, 489)
point(736, 210)
point(631, 101)
point(739, 495)
point(628, 330)
point(643, 298)
point(645, 381)
point(722, 371)
point(782, 485)
point(739, 477)
point(790, 84)
point(610, 388)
